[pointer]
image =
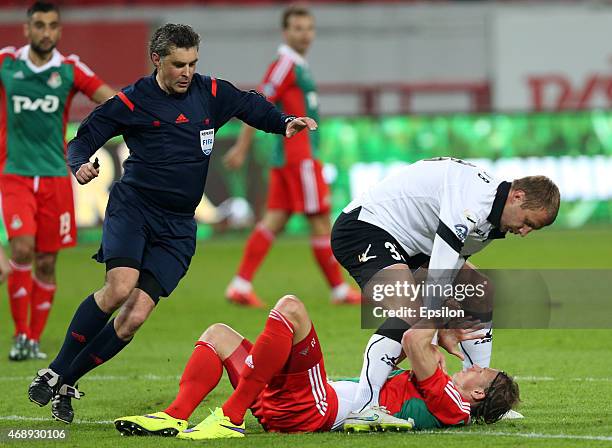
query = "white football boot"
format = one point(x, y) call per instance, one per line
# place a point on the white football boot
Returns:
point(376, 418)
point(512, 415)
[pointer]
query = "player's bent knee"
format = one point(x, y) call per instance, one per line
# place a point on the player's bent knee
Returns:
point(114, 294)
point(118, 292)
point(214, 333)
point(292, 308)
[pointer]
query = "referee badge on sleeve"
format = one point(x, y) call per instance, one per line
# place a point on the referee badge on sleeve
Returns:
point(207, 140)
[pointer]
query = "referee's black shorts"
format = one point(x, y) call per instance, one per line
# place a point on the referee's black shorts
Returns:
point(363, 249)
point(138, 234)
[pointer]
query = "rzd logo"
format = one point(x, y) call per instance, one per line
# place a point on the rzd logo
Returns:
point(48, 104)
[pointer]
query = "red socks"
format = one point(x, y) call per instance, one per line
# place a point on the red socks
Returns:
point(321, 247)
point(255, 251)
point(261, 240)
point(204, 369)
point(270, 353)
point(19, 291)
point(234, 363)
point(28, 292)
point(42, 299)
point(25, 290)
point(201, 375)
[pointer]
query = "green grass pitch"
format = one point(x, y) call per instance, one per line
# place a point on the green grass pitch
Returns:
point(565, 376)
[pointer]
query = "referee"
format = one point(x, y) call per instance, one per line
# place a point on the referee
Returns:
point(168, 120)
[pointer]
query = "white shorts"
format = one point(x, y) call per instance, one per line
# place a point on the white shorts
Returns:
point(345, 391)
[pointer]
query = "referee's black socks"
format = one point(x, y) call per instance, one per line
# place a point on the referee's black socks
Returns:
point(104, 346)
point(87, 322)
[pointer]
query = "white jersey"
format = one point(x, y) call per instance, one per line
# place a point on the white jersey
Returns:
point(444, 208)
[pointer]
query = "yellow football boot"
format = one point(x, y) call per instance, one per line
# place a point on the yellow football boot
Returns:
point(157, 424)
point(215, 426)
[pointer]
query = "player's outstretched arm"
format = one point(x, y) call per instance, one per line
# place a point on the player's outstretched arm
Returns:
point(423, 356)
point(253, 109)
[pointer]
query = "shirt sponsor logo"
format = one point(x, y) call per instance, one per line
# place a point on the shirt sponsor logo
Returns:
point(207, 140)
point(48, 104)
point(55, 80)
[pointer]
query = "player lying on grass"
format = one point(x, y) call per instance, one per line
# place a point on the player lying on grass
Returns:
point(282, 380)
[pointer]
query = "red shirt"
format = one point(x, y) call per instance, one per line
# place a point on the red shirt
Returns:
point(440, 395)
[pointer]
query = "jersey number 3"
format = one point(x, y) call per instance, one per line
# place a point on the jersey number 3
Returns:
point(394, 253)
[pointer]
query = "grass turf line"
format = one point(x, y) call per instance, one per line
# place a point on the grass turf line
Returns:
point(556, 409)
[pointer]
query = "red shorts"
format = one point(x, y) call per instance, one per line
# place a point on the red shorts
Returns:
point(42, 207)
point(299, 399)
point(299, 188)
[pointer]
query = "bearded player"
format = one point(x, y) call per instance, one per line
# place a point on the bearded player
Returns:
point(37, 84)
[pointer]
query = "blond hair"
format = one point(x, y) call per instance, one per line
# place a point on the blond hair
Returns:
point(540, 193)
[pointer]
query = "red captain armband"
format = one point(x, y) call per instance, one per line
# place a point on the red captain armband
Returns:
point(125, 100)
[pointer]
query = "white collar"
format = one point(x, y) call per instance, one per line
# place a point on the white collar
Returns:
point(286, 50)
point(55, 61)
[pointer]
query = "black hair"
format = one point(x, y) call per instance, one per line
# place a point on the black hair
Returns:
point(42, 7)
point(173, 36)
